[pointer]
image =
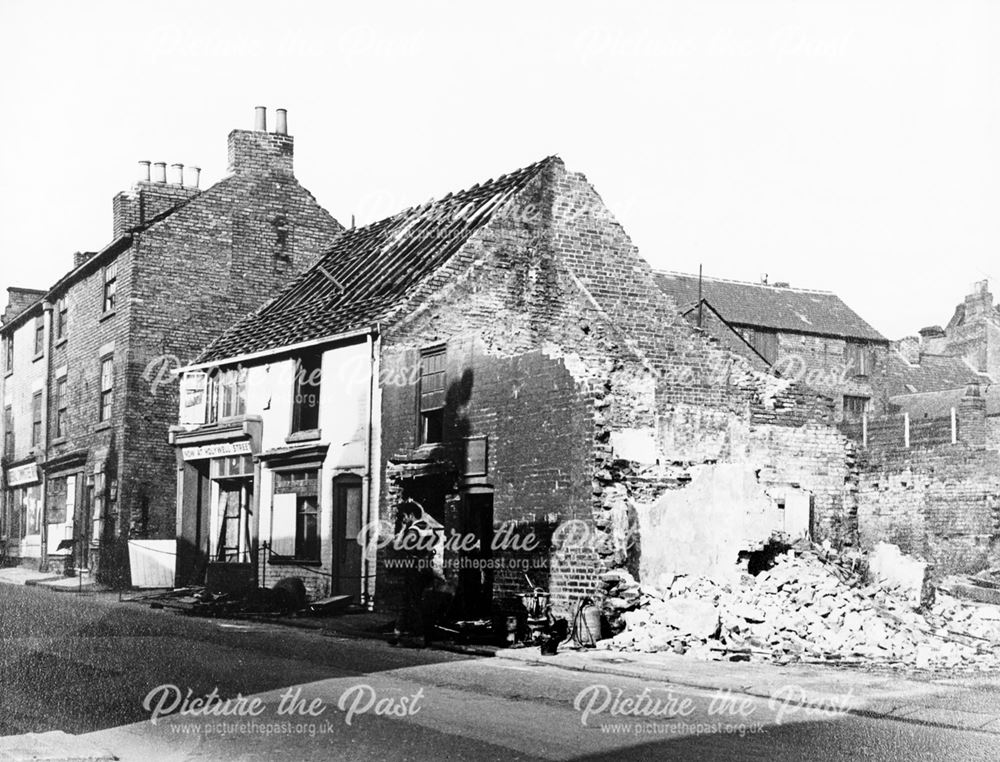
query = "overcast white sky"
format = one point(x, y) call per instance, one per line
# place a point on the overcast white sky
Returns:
point(849, 146)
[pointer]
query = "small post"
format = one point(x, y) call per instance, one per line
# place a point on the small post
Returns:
point(954, 427)
point(864, 428)
point(906, 430)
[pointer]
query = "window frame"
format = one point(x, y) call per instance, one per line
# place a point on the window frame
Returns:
point(37, 416)
point(39, 336)
point(859, 358)
point(314, 378)
point(62, 405)
point(61, 314)
point(105, 398)
point(850, 413)
point(312, 502)
point(109, 289)
point(8, 431)
point(430, 409)
point(9, 354)
point(227, 395)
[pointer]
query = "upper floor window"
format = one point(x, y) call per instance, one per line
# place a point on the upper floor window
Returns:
point(39, 335)
point(305, 405)
point(107, 388)
point(431, 393)
point(62, 312)
point(62, 403)
point(858, 358)
point(110, 286)
point(8, 432)
point(227, 392)
point(8, 352)
point(36, 419)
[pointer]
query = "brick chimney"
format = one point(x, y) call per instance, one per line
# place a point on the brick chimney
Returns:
point(19, 299)
point(258, 150)
point(979, 302)
point(933, 340)
point(151, 195)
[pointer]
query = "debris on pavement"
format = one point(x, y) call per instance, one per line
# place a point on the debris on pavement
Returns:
point(811, 605)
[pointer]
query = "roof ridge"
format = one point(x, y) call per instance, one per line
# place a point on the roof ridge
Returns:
point(746, 282)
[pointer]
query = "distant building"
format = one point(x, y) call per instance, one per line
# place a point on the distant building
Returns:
point(806, 335)
point(87, 387)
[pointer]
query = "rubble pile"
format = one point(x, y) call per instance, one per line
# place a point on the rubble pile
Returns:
point(812, 606)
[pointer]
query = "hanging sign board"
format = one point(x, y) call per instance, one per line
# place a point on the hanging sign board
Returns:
point(27, 474)
point(220, 450)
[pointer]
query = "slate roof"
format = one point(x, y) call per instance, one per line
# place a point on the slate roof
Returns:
point(370, 271)
point(769, 306)
point(933, 373)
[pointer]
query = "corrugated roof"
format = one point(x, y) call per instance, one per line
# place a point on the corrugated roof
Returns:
point(769, 306)
point(370, 271)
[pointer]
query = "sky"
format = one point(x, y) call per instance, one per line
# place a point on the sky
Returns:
point(851, 146)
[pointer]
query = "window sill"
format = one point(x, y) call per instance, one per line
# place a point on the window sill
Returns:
point(60, 342)
point(38, 357)
point(283, 560)
point(106, 315)
point(58, 441)
point(102, 426)
point(309, 435)
point(8, 373)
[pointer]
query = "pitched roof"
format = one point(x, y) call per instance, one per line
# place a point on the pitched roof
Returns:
point(769, 306)
point(370, 271)
point(933, 373)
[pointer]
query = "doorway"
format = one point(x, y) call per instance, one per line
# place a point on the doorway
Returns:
point(347, 522)
point(474, 597)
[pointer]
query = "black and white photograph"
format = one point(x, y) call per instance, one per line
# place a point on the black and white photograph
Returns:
point(558, 381)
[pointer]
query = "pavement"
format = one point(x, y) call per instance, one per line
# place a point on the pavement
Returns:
point(923, 701)
point(19, 575)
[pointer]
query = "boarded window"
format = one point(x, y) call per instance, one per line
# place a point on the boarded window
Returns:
point(764, 341)
point(62, 403)
point(855, 407)
point(8, 432)
point(858, 358)
point(36, 419)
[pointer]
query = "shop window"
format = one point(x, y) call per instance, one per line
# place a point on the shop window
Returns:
point(107, 388)
point(233, 511)
point(305, 405)
point(36, 419)
point(295, 515)
point(431, 393)
point(110, 287)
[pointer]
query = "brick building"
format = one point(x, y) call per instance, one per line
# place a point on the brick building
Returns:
point(803, 334)
point(87, 388)
point(512, 369)
point(929, 466)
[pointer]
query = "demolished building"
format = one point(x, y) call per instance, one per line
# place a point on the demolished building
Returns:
point(512, 369)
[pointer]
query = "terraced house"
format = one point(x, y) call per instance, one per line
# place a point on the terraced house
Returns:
point(492, 364)
point(86, 386)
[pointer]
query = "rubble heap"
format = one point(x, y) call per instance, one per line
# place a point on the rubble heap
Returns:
point(810, 606)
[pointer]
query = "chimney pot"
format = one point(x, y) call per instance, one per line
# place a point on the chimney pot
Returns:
point(160, 172)
point(193, 176)
point(260, 119)
point(177, 174)
point(281, 121)
point(144, 171)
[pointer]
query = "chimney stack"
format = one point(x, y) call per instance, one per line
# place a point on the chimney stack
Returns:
point(259, 151)
point(193, 176)
point(177, 174)
point(160, 172)
point(144, 171)
point(933, 340)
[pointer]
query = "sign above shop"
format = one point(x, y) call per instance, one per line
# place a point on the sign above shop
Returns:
point(26, 474)
point(221, 450)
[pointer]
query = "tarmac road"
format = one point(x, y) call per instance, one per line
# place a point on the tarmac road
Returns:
point(85, 665)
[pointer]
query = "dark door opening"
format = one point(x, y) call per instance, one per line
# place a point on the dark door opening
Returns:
point(347, 520)
point(475, 575)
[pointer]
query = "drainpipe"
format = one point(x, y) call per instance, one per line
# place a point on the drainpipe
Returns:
point(43, 565)
point(370, 493)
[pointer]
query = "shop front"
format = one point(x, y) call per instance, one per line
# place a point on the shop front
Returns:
point(22, 526)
